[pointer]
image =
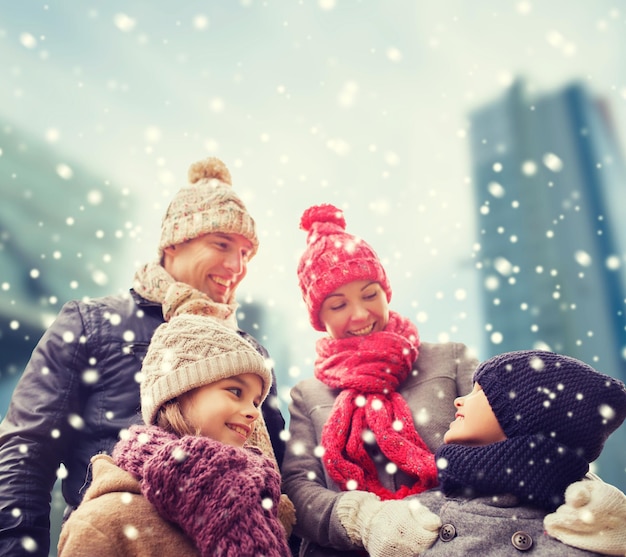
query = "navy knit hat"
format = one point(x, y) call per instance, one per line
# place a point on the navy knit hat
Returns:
point(556, 412)
point(537, 392)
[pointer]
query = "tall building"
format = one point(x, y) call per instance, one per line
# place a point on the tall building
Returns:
point(550, 187)
point(63, 233)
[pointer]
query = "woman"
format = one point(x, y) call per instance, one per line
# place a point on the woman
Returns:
point(377, 408)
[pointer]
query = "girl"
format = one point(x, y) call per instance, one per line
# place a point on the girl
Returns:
point(187, 483)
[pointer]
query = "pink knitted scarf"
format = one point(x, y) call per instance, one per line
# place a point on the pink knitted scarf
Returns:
point(224, 498)
point(369, 370)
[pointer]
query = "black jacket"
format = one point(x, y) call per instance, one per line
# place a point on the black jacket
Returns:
point(79, 389)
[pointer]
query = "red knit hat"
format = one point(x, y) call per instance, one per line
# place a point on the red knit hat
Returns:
point(333, 258)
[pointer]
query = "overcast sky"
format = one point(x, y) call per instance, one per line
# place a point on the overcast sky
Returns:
point(363, 104)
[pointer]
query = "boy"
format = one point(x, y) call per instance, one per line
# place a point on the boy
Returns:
point(529, 428)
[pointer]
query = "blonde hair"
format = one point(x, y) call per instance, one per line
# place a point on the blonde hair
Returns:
point(170, 418)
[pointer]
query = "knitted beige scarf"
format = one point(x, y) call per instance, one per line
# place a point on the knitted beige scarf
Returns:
point(154, 283)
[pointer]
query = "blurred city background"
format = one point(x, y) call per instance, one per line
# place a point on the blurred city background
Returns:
point(479, 147)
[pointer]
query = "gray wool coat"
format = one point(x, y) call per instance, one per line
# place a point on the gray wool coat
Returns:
point(491, 527)
point(441, 373)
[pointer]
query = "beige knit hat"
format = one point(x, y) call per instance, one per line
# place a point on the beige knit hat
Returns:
point(190, 351)
point(207, 205)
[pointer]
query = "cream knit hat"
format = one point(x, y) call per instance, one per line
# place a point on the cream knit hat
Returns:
point(207, 205)
point(190, 351)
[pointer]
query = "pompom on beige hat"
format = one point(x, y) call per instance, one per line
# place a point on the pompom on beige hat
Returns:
point(207, 205)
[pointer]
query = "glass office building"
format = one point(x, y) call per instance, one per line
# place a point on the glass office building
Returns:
point(550, 189)
point(63, 233)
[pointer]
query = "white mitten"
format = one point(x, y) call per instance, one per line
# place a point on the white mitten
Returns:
point(593, 517)
point(402, 528)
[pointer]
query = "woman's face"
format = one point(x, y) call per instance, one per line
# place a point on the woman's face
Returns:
point(355, 309)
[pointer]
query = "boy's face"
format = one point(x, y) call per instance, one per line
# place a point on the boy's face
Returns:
point(475, 423)
point(225, 410)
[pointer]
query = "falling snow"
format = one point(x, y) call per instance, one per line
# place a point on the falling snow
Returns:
point(371, 109)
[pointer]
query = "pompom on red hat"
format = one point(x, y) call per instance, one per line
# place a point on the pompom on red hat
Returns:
point(333, 258)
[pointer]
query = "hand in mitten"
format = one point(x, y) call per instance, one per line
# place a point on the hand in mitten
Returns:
point(137, 444)
point(401, 528)
point(593, 517)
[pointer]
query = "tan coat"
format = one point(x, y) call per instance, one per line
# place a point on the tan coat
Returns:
point(115, 519)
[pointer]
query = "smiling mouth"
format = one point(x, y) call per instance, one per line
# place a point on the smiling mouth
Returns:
point(222, 282)
point(364, 331)
point(239, 429)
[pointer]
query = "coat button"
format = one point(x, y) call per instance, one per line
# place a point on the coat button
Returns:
point(447, 532)
point(522, 540)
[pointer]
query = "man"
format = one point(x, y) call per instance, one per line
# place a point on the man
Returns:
point(81, 385)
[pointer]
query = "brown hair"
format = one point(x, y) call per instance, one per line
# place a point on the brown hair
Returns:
point(171, 419)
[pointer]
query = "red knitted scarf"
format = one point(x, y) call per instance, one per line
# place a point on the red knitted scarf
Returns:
point(369, 370)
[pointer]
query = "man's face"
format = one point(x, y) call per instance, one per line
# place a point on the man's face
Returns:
point(214, 263)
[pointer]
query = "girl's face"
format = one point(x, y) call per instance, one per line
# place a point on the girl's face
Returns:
point(355, 309)
point(475, 423)
point(225, 410)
